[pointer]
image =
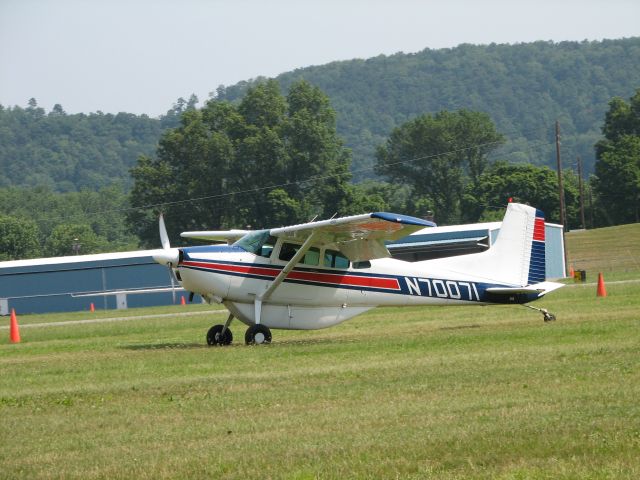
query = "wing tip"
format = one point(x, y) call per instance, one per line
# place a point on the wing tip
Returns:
point(404, 219)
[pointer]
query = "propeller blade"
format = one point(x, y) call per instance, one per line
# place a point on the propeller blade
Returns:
point(164, 237)
point(167, 256)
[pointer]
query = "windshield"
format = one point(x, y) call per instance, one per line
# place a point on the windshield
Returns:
point(252, 242)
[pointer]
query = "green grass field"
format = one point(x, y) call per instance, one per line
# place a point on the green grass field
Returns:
point(466, 392)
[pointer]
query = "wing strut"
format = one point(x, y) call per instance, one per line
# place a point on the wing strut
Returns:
point(264, 296)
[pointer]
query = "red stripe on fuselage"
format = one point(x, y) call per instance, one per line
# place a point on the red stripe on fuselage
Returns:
point(248, 269)
point(538, 229)
point(340, 279)
point(317, 277)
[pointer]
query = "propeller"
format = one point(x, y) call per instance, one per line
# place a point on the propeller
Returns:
point(167, 256)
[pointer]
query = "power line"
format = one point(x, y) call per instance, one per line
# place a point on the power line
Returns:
point(315, 178)
point(531, 147)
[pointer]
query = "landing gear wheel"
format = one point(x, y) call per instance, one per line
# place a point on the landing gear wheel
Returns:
point(215, 336)
point(548, 316)
point(257, 334)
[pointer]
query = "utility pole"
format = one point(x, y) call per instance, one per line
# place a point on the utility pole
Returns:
point(590, 207)
point(584, 225)
point(563, 217)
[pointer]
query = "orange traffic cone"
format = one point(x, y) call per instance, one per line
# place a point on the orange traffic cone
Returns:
point(182, 302)
point(602, 291)
point(571, 271)
point(14, 331)
point(92, 308)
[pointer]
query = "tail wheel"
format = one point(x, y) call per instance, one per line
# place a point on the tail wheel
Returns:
point(216, 337)
point(257, 334)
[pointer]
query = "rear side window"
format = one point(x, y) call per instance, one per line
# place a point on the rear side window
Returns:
point(362, 264)
point(334, 259)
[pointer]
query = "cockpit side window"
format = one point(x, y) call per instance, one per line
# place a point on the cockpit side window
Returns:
point(258, 243)
point(267, 248)
point(288, 250)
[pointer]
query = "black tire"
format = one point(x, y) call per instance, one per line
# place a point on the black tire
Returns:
point(214, 338)
point(257, 334)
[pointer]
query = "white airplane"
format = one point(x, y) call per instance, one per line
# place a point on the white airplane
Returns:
point(318, 274)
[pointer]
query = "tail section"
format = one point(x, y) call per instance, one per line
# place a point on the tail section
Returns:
point(516, 259)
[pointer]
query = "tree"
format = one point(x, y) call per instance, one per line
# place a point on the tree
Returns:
point(18, 238)
point(316, 152)
point(524, 183)
point(103, 211)
point(69, 152)
point(57, 110)
point(437, 155)
point(33, 108)
point(617, 179)
point(73, 239)
point(266, 160)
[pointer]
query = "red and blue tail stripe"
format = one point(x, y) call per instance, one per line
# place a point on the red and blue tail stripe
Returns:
point(537, 263)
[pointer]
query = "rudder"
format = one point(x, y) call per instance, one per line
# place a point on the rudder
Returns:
point(537, 261)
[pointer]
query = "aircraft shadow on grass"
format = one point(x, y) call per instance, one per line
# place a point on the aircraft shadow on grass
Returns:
point(164, 346)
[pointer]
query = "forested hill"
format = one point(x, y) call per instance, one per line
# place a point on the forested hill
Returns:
point(71, 152)
point(523, 87)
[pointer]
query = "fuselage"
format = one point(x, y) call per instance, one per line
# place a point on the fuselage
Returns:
point(317, 296)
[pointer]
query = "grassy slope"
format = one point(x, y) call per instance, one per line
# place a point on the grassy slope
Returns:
point(488, 392)
point(612, 249)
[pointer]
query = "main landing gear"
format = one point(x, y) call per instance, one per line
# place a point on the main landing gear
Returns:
point(548, 316)
point(221, 335)
point(257, 334)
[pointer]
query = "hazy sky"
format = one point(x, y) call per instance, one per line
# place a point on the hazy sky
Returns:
point(139, 56)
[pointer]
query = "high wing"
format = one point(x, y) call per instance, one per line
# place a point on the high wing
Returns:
point(229, 236)
point(359, 237)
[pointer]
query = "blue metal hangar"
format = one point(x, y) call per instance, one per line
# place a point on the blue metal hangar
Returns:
point(133, 279)
point(108, 280)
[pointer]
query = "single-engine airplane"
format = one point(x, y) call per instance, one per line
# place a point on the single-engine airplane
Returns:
point(318, 274)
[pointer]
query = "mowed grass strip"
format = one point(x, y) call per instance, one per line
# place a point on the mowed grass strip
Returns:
point(468, 392)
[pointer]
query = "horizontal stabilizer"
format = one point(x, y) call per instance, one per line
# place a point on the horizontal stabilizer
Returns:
point(539, 289)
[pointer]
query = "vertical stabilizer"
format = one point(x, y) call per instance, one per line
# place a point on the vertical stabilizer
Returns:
point(517, 257)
